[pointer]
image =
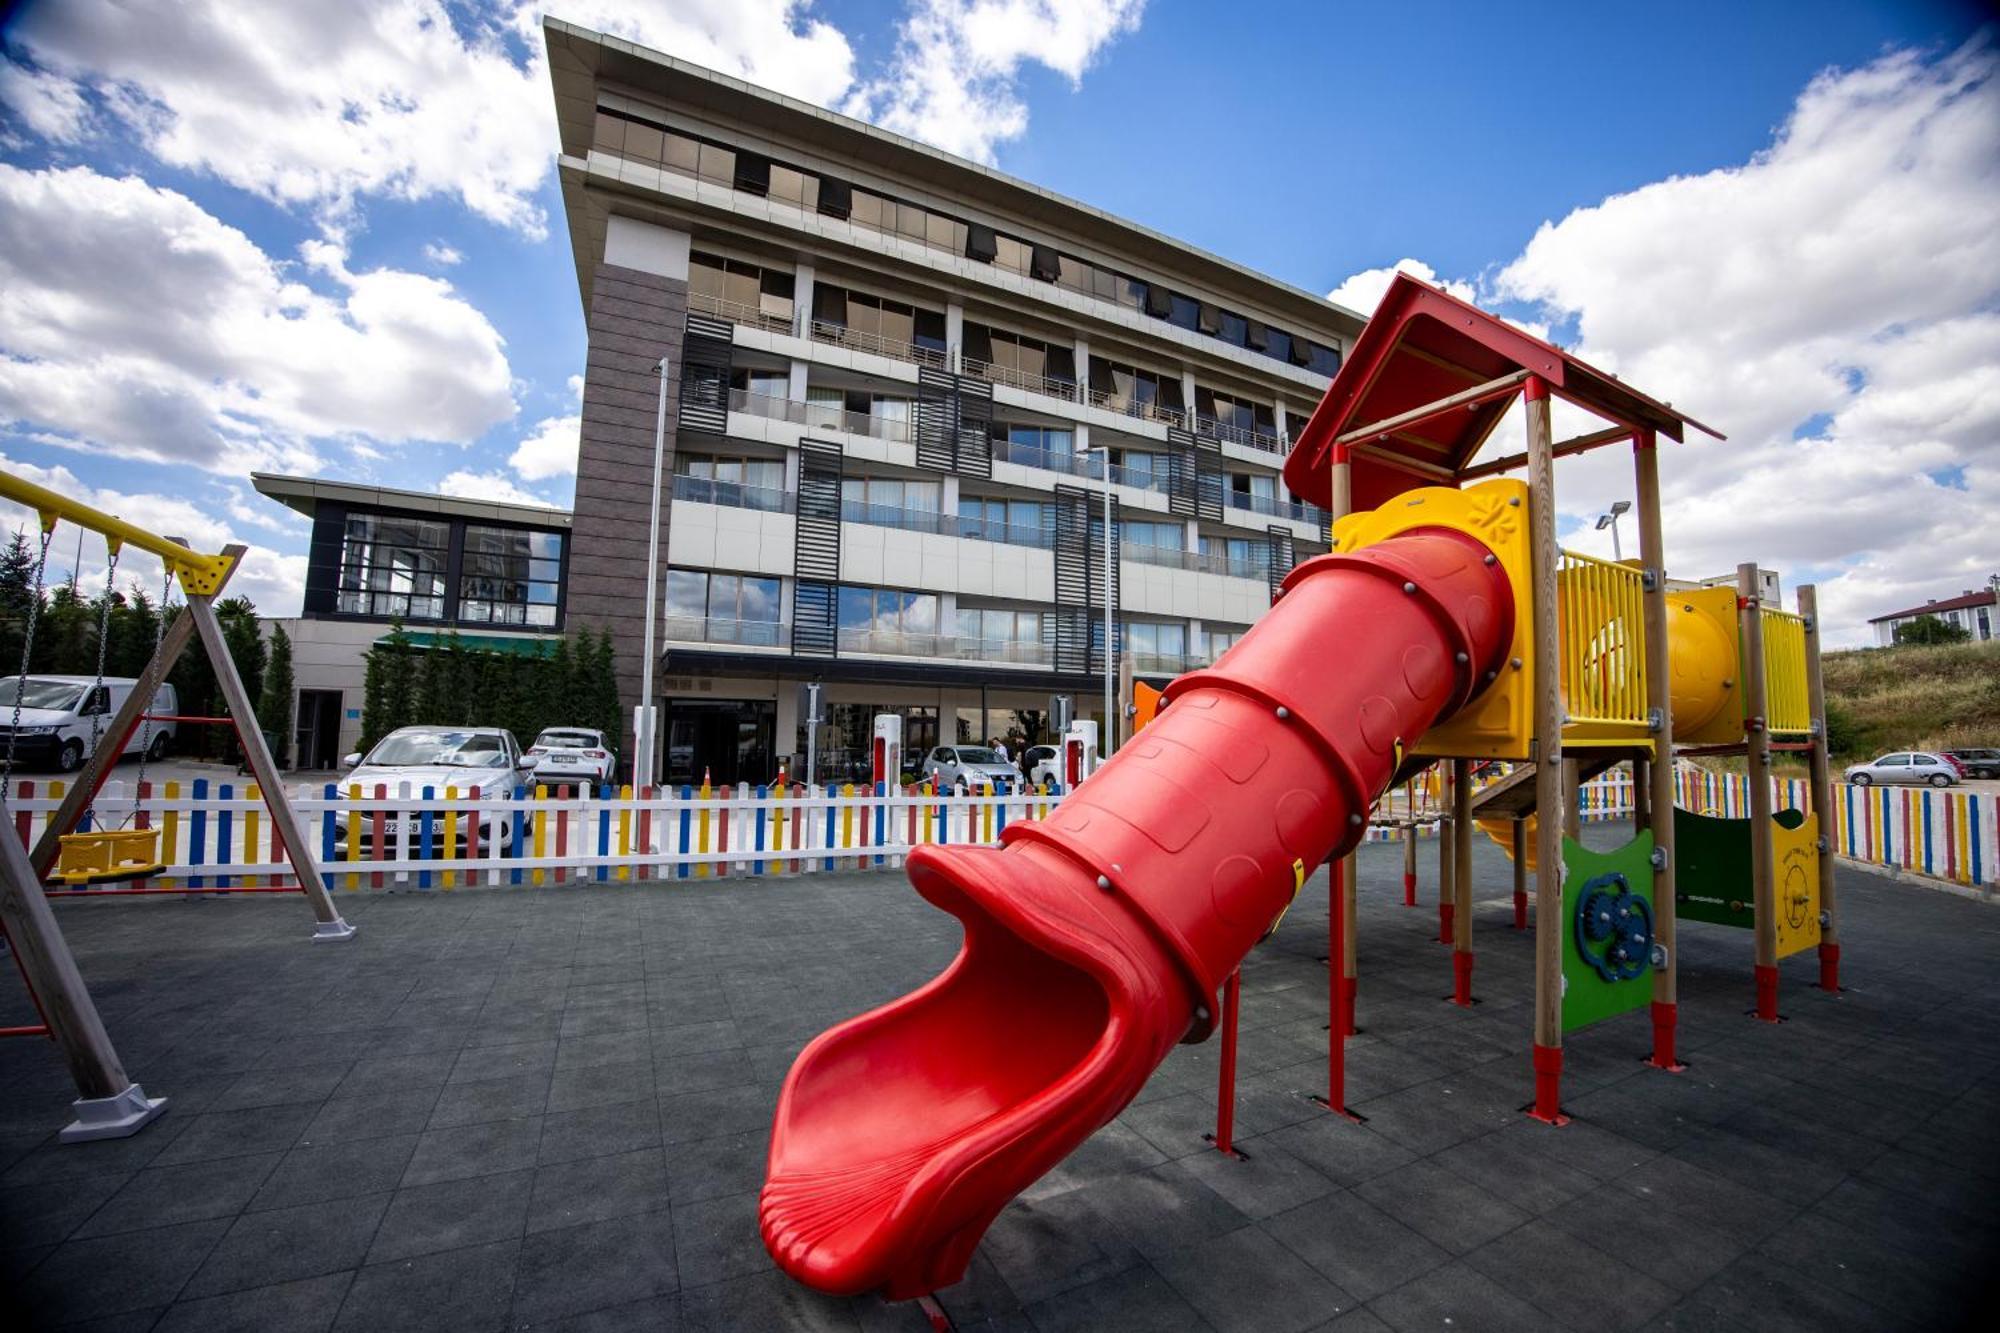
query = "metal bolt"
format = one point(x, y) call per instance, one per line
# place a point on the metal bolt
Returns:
point(1201, 1014)
point(1516, 664)
point(1104, 882)
point(1460, 658)
point(1354, 819)
point(1283, 712)
point(1409, 587)
point(1491, 559)
point(1514, 502)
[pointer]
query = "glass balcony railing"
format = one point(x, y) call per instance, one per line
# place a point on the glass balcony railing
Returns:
point(898, 643)
point(1196, 562)
point(1142, 409)
point(713, 629)
point(1019, 379)
point(1268, 441)
point(819, 416)
point(735, 495)
point(945, 525)
point(1274, 507)
point(896, 350)
point(1078, 465)
point(738, 313)
point(1009, 651)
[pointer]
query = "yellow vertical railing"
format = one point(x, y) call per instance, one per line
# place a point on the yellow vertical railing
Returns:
point(1603, 669)
point(1785, 672)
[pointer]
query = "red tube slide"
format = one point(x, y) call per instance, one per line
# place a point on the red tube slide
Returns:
point(1098, 938)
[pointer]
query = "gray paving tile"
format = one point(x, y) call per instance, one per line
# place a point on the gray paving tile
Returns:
point(598, 1131)
point(595, 1188)
point(313, 1173)
point(306, 1306)
point(234, 1133)
point(717, 1238)
point(510, 1097)
point(1138, 1297)
point(1360, 1248)
point(281, 1244)
point(580, 1087)
point(1442, 1205)
point(48, 1212)
point(466, 1289)
point(574, 1270)
point(1459, 1296)
point(1264, 1181)
point(163, 1195)
point(474, 1150)
point(1247, 1280)
point(88, 1279)
point(371, 1116)
point(452, 1214)
point(1569, 1278)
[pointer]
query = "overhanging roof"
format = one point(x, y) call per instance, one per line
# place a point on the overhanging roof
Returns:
point(1424, 345)
point(305, 493)
point(511, 645)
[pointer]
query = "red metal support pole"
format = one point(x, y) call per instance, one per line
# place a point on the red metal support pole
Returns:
point(1341, 1022)
point(1224, 1137)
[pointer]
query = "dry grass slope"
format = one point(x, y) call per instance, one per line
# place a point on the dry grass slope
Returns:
point(1913, 698)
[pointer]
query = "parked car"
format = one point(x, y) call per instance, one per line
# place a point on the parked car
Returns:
point(1977, 763)
point(1044, 764)
point(1915, 766)
point(438, 757)
point(574, 755)
point(970, 768)
point(62, 717)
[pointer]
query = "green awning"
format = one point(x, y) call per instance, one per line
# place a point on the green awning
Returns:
point(423, 640)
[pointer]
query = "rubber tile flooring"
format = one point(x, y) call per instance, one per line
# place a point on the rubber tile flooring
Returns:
point(548, 1108)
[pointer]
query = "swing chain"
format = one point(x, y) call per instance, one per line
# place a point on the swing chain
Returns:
point(27, 655)
point(103, 648)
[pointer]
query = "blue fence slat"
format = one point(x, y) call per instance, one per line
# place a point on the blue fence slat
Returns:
point(604, 833)
point(687, 828)
point(225, 823)
point(426, 848)
point(198, 831)
point(520, 833)
point(763, 795)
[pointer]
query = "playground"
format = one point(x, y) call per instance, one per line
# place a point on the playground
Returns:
point(517, 1107)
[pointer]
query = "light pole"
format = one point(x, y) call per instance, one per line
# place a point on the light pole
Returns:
point(1609, 519)
point(644, 717)
point(1104, 742)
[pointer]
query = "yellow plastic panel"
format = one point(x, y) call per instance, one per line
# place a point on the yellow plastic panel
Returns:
point(1500, 721)
point(1796, 851)
point(1603, 635)
point(1785, 673)
point(1701, 647)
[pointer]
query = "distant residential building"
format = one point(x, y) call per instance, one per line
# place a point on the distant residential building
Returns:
point(1972, 611)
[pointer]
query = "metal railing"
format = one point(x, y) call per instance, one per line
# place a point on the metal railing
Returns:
point(866, 639)
point(819, 416)
point(1009, 534)
point(1297, 511)
point(945, 525)
point(1077, 465)
point(1014, 652)
point(714, 629)
point(1785, 705)
point(733, 494)
point(895, 349)
point(1019, 379)
point(1268, 441)
point(738, 313)
point(1602, 610)
point(1139, 408)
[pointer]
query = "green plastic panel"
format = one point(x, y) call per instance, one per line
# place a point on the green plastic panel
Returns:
point(1597, 984)
point(1712, 882)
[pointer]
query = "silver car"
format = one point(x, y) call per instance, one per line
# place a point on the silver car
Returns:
point(1916, 766)
point(970, 768)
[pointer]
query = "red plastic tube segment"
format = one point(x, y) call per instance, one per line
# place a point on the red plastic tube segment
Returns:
point(1098, 938)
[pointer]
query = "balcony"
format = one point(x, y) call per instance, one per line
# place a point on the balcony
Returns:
point(1010, 652)
point(1077, 465)
point(1019, 379)
point(945, 525)
point(1251, 439)
point(734, 495)
point(839, 335)
point(894, 643)
point(819, 416)
point(1194, 562)
point(1163, 664)
point(1140, 408)
point(741, 633)
point(738, 313)
point(1273, 507)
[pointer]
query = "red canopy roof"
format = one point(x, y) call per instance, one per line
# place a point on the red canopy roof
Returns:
point(1423, 345)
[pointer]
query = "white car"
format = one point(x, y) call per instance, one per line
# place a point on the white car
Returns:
point(1044, 764)
point(573, 755)
point(965, 768)
point(1915, 766)
point(436, 757)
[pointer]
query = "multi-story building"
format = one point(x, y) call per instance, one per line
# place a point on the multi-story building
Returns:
point(898, 384)
point(1971, 611)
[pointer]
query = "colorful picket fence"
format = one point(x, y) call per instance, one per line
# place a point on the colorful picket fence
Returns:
point(219, 835)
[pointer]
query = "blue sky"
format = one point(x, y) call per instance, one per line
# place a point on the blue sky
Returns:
point(382, 290)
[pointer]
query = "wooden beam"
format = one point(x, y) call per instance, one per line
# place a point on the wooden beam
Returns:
point(1471, 397)
point(1660, 772)
point(1412, 465)
point(1757, 769)
point(1550, 798)
point(1820, 767)
point(1574, 445)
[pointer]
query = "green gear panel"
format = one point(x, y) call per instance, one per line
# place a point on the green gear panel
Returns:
point(1588, 996)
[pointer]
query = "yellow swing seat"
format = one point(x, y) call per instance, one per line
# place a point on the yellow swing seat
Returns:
point(107, 855)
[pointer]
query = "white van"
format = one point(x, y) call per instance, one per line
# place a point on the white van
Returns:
point(63, 716)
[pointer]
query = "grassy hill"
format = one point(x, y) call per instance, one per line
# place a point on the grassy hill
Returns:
point(1913, 698)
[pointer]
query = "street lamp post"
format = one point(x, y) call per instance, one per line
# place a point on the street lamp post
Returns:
point(1105, 741)
point(644, 719)
point(1609, 519)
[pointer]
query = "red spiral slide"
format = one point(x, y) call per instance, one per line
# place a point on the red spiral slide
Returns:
point(1096, 939)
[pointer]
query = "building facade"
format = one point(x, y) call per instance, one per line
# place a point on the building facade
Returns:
point(1972, 611)
point(489, 572)
point(898, 386)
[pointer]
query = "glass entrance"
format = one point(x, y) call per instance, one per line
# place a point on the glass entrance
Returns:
point(729, 740)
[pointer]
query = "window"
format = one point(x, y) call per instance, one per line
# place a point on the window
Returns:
point(763, 383)
point(1126, 388)
point(510, 576)
point(893, 502)
point(1155, 647)
point(1183, 310)
point(998, 632)
point(1001, 520)
point(892, 321)
point(1030, 360)
point(1322, 360)
point(887, 620)
point(1040, 446)
point(1233, 413)
point(794, 187)
point(393, 566)
point(1245, 557)
point(741, 289)
point(717, 164)
point(741, 483)
point(1162, 536)
point(708, 607)
point(1216, 642)
point(1144, 470)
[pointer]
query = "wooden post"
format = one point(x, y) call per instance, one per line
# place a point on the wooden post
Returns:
point(1447, 852)
point(1550, 797)
point(1350, 972)
point(1461, 864)
point(1642, 794)
point(1757, 765)
point(285, 824)
point(1659, 772)
point(1820, 764)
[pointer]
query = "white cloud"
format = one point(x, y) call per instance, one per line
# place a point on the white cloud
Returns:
point(45, 104)
point(134, 323)
point(1830, 306)
point(1363, 291)
point(437, 252)
point(316, 105)
point(496, 486)
point(550, 451)
point(274, 581)
point(953, 79)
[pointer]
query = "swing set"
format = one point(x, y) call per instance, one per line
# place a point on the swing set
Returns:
point(110, 1104)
